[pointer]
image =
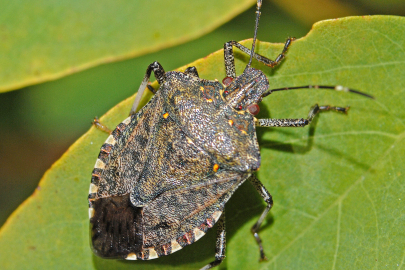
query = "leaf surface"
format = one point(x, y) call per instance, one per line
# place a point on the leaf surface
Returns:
point(44, 40)
point(338, 185)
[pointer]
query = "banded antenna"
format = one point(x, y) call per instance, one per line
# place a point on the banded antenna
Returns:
point(259, 5)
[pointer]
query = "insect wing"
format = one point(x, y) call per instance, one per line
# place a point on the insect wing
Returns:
point(174, 161)
point(179, 217)
point(123, 155)
point(113, 219)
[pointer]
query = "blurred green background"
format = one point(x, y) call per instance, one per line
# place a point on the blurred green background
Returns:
point(39, 122)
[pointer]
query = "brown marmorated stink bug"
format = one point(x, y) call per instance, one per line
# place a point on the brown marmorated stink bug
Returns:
point(163, 176)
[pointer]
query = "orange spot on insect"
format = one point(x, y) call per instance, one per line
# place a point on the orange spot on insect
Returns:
point(166, 115)
point(230, 122)
point(216, 167)
point(202, 88)
point(209, 100)
point(209, 223)
point(165, 249)
point(187, 238)
point(105, 151)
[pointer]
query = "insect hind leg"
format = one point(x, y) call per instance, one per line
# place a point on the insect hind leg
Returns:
point(220, 244)
point(160, 76)
point(269, 200)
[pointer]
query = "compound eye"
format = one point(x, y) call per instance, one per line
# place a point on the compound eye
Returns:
point(227, 81)
point(253, 109)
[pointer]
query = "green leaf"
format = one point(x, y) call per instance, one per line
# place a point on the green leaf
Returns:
point(303, 10)
point(338, 185)
point(44, 40)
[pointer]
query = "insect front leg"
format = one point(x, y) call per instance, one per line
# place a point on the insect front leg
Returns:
point(192, 71)
point(220, 244)
point(230, 58)
point(269, 200)
point(301, 122)
point(160, 76)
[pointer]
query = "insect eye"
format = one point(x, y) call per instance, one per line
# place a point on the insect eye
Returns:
point(227, 81)
point(240, 107)
point(253, 109)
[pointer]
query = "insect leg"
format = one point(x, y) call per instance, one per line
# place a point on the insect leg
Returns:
point(160, 76)
point(220, 245)
point(269, 200)
point(192, 71)
point(101, 126)
point(153, 90)
point(230, 58)
point(299, 122)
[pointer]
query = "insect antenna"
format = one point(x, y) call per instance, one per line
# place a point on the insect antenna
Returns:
point(258, 6)
point(335, 88)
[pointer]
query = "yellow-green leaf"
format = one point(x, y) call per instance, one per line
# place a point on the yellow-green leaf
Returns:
point(338, 185)
point(44, 40)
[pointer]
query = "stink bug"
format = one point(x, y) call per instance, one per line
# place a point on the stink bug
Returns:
point(165, 173)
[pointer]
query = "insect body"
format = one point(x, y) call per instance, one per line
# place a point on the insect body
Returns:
point(164, 174)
